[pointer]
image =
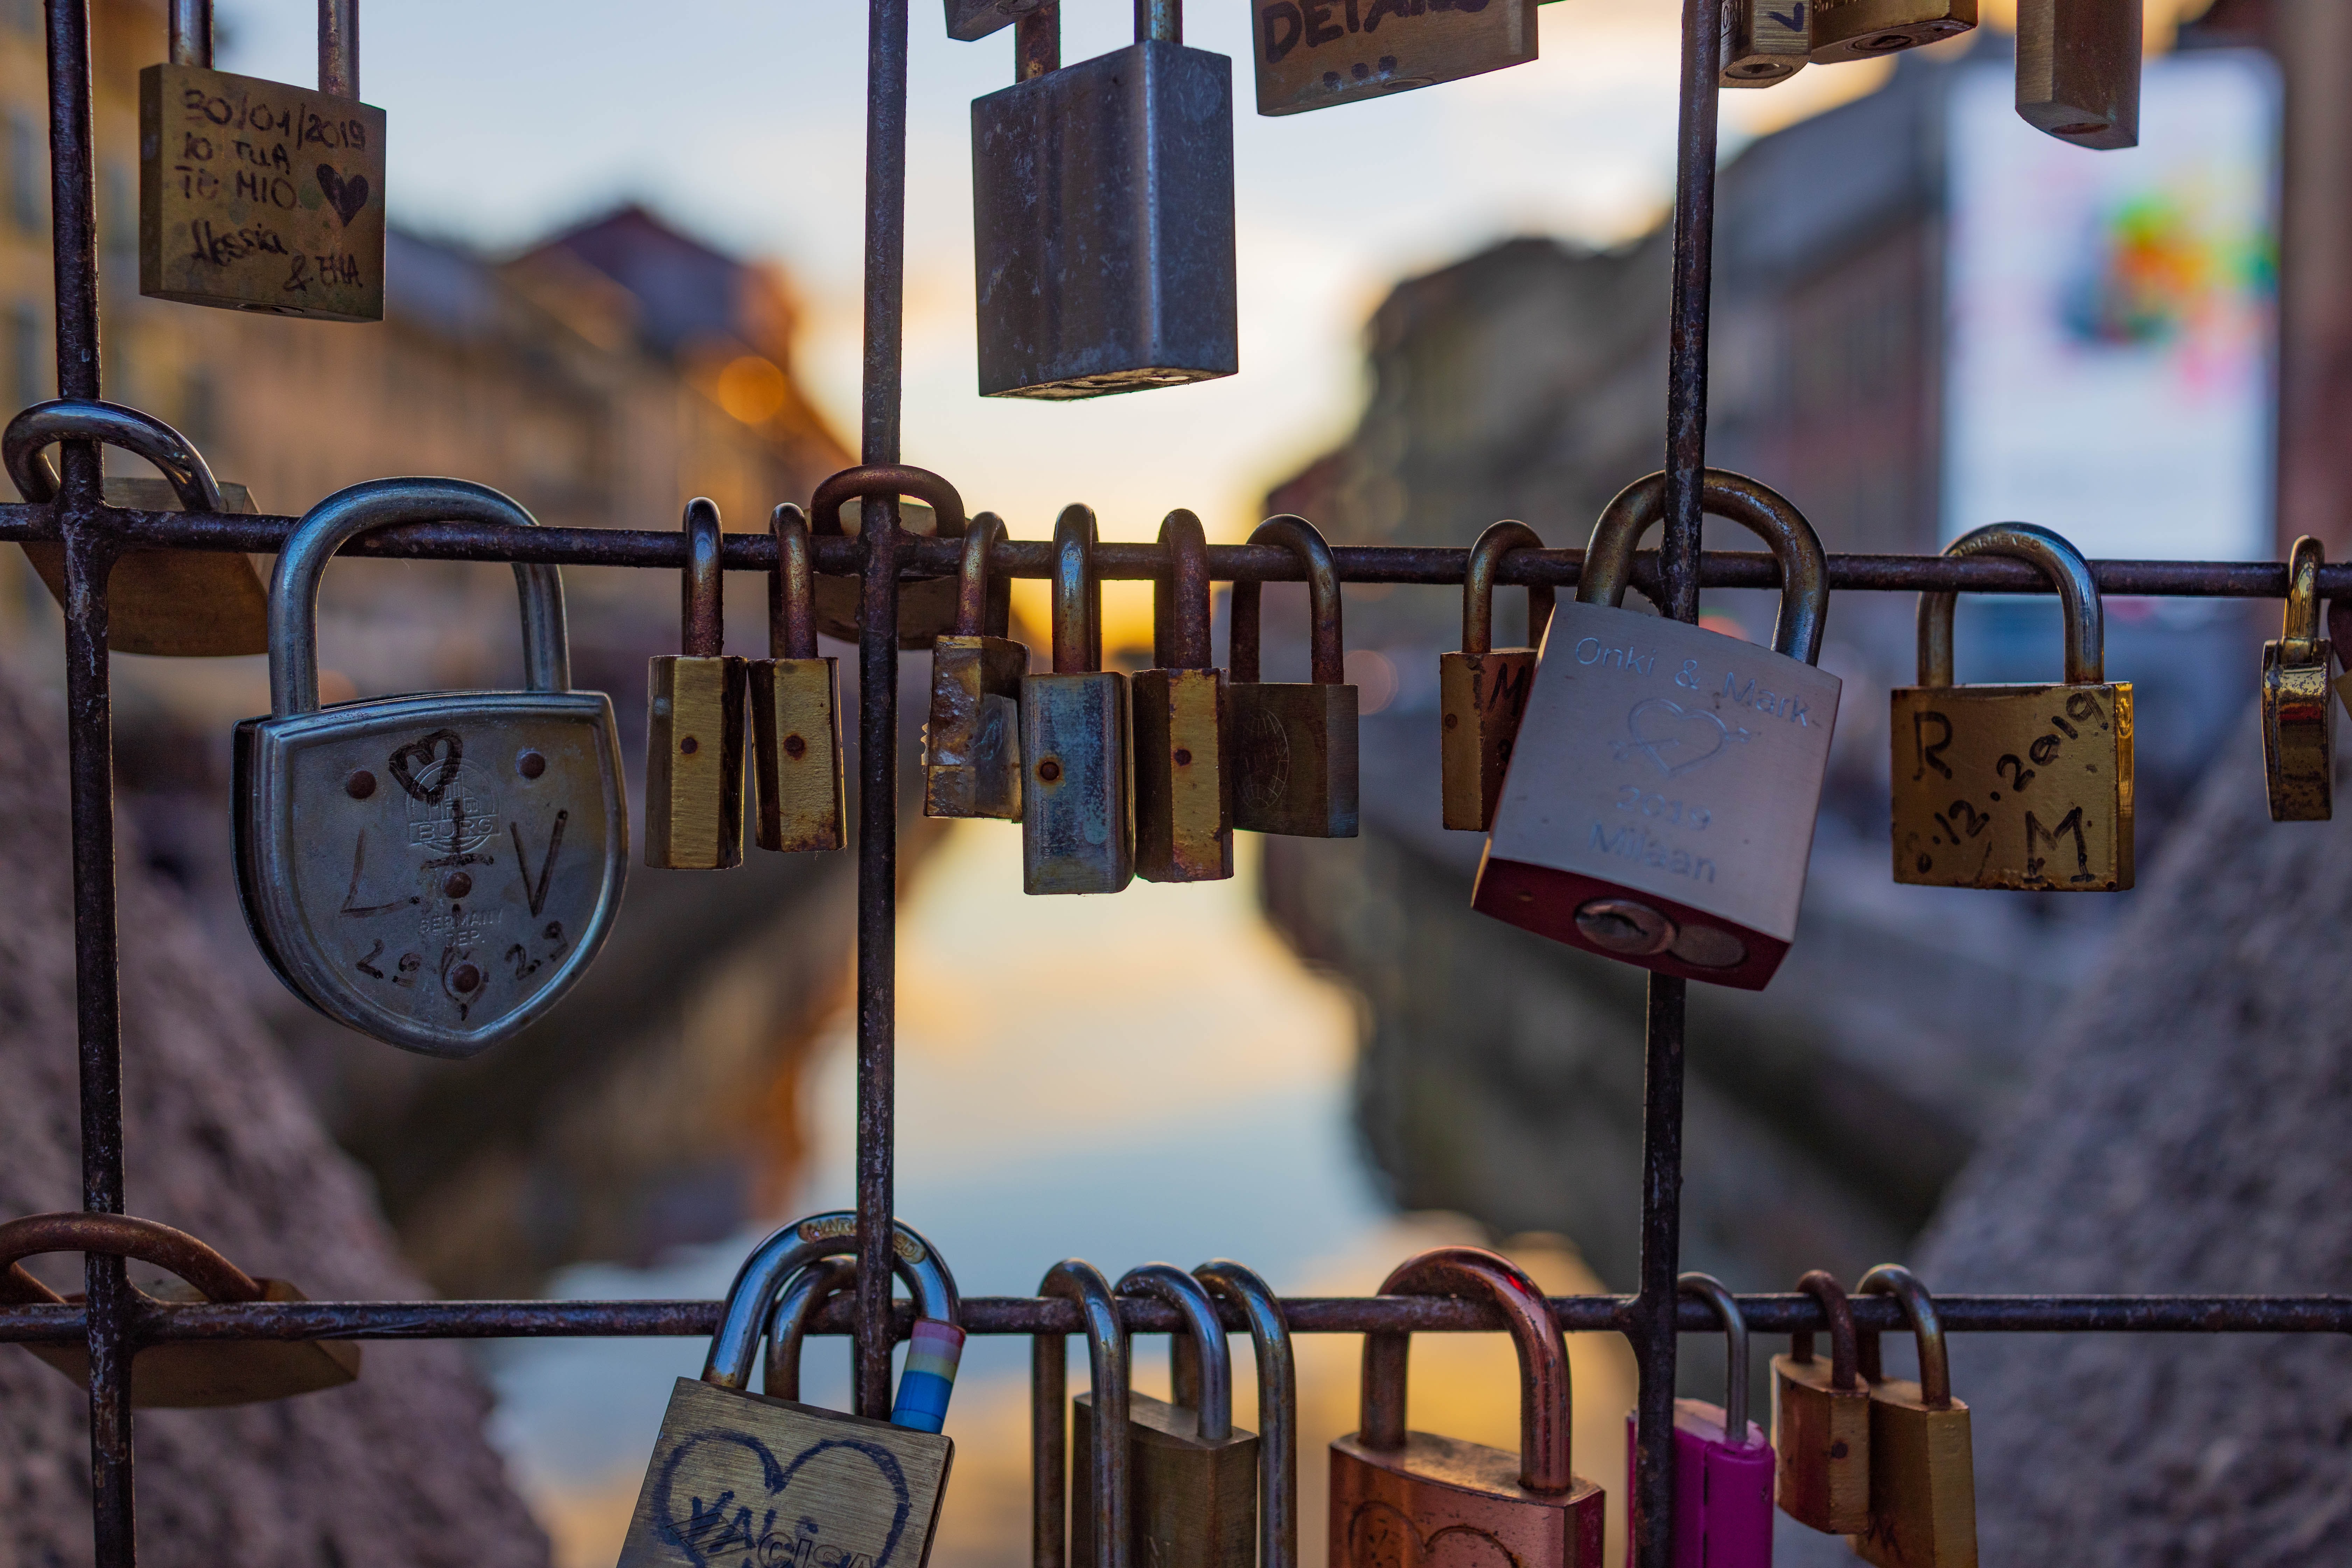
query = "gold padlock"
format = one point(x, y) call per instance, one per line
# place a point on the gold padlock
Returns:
point(972, 743)
point(927, 607)
point(2021, 787)
point(2078, 70)
point(1821, 1422)
point(694, 723)
point(795, 707)
point(1184, 786)
point(2298, 720)
point(1764, 42)
point(1077, 821)
point(1294, 745)
point(1483, 689)
point(1865, 30)
point(1923, 1487)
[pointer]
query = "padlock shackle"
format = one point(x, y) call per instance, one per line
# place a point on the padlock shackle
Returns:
point(1758, 508)
point(1822, 1286)
point(2078, 595)
point(1717, 1295)
point(791, 586)
point(2299, 621)
point(1180, 608)
point(117, 1235)
point(802, 1297)
point(1159, 21)
point(1277, 1406)
point(787, 1250)
point(1545, 1396)
point(702, 605)
point(1478, 588)
point(24, 449)
point(1935, 1365)
point(1036, 43)
point(1075, 1280)
point(1213, 1363)
point(983, 604)
point(385, 503)
point(189, 31)
point(887, 481)
point(1300, 537)
point(339, 48)
point(1078, 595)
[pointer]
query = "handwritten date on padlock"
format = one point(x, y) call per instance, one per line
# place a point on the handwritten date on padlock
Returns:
point(1315, 54)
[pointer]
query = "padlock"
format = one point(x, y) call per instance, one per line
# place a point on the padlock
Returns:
point(1821, 1422)
point(694, 723)
point(795, 707)
point(1483, 691)
point(1101, 1510)
point(927, 607)
point(2022, 787)
point(1183, 787)
point(1277, 1401)
point(1103, 218)
point(1723, 1465)
point(802, 1297)
point(1923, 1487)
point(1865, 30)
point(488, 831)
point(972, 744)
point(257, 196)
point(1077, 833)
point(1395, 1493)
point(2078, 70)
point(184, 603)
point(1315, 54)
point(1293, 746)
point(177, 1374)
point(969, 21)
point(1192, 1474)
point(2298, 719)
point(1765, 42)
point(1661, 800)
point(738, 1476)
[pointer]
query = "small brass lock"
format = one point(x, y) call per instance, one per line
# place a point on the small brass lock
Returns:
point(1183, 784)
point(2020, 787)
point(1821, 1422)
point(927, 607)
point(972, 744)
point(1765, 42)
point(1923, 1488)
point(1312, 54)
point(795, 707)
point(694, 723)
point(1294, 746)
point(1483, 689)
point(2298, 718)
point(2078, 70)
point(1104, 1503)
point(1239, 1285)
point(1865, 30)
point(1077, 832)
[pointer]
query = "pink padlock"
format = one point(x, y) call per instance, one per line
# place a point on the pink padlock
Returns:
point(1723, 1486)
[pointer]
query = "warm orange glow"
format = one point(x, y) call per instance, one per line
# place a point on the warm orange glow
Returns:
point(751, 389)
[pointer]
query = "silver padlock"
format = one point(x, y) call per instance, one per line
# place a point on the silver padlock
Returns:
point(1077, 811)
point(1662, 793)
point(434, 870)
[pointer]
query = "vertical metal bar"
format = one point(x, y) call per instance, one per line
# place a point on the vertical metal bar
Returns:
point(191, 26)
point(1654, 1345)
point(339, 48)
point(1049, 1450)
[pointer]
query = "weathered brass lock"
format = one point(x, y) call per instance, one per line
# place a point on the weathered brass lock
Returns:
point(1102, 1509)
point(1293, 747)
point(2021, 787)
point(738, 1476)
point(2298, 717)
point(1662, 795)
point(1483, 689)
point(694, 723)
point(184, 1373)
point(1723, 1465)
point(1765, 42)
point(1315, 54)
point(2078, 70)
point(1103, 218)
point(1864, 30)
point(257, 196)
point(795, 707)
point(972, 744)
point(1277, 1401)
point(1821, 1422)
point(926, 608)
point(436, 870)
point(1922, 1488)
point(1183, 785)
point(1077, 833)
point(184, 603)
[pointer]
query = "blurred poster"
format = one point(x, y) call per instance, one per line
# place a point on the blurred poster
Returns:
point(2111, 323)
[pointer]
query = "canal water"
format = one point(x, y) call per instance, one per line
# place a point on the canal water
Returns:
point(1149, 1077)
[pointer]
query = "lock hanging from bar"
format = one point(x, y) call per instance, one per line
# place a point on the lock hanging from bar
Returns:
point(1821, 1422)
point(2078, 70)
point(1864, 30)
point(694, 720)
point(1277, 1401)
point(927, 606)
point(1183, 780)
point(972, 743)
point(1765, 42)
point(1723, 1465)
point(1077, 832)
point(1294, 746)
point(1307, 58)
point(2298, 715)
point(1103, 1509)
point(1923, 1488)
point(795, 707)
point(1483, 691)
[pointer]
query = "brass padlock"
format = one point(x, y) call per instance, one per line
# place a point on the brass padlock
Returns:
point(1293, 747)
point(1183, 786)
point(436, 870)
point(177, 1374)
point(738, 1476)
point(972, 743)
point(694, 723)
point(927, 607)
point(1865, 30)
point(1395, 1492)
point(1077, 833)
point(2298, 719)
point(1483, 689)
point(795, 707)
point(1821, 1422)
point(1277, 1401)
point(1923, 1487)
point(2078, 70)
point(1662, 795)
point(257, 196)
point(1315, 54)
point(1765, 42)
point(182, 603)
point(2022, 787)
point(1102, 1509)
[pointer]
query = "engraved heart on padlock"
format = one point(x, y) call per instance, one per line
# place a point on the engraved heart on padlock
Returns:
point(737, 1500)
point(1381, 1535)
point(1675, 737)
point(347, 197)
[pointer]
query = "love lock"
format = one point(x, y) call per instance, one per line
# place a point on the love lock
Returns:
point(436, 870)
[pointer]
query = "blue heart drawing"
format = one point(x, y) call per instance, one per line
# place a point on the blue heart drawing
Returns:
point(712, 1533)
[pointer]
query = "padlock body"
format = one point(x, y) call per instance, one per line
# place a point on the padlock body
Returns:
point(1193, 1503)
point(971, 20)
point(1183, 787)
point(181, 604)
point(203, 1375)
point(694, 762)
point(1764, 42)
point(1863, 30)
point(2021, 787)
point(1723, 1490)
point(2078, 70)
point(1822, 1436)
point(1482, 696)
point(1388, 1507)
point(740, 1478)
point(1922, 1488)
point(1077, 832)
point(1313, 54)
point(797, 752)
point(1103, 219)
point(433, 871)
point(1670, 769)
point(255, 195)
point(1294, 758)
point(971, 741)
point(2299, 731)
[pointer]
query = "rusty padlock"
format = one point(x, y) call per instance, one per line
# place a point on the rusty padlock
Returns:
point(1865, 30)
point(927, 607)
point(694, 721)
point(1765, 42)
point(1294, 746)
point(1483, 689)
point(1723, 1465)
point(1923, 1488)
point(2078, 70)
point(1183, 785)
point(1078, 830)
point(971, 741)
point(1821, 1422)
point(1102, 1511)
point(795, 708)
point(2298, 718)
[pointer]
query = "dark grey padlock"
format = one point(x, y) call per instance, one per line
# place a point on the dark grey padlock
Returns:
point(1103, 216)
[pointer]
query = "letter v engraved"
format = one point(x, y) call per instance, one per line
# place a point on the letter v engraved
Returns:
point(352, 905)
point(537, 891)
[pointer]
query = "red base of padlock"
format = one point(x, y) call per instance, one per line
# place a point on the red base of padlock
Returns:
point(1563, 905)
